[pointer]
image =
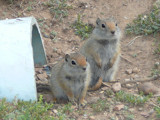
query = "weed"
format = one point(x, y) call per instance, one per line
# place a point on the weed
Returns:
point(129, 117)
point(109, 93)
point(82, 29)
point(100, 106)
point(132, 99)
point(22, 110)
point(67, 108)
point(145, 24)
point(59, 8)
point(155, 71)
point(157, 109)
point(157, 50)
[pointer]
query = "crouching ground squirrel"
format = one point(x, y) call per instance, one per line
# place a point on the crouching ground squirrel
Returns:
point(102, 51)
point(70, 78)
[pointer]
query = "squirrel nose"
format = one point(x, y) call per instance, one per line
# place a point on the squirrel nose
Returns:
point(84, 68)
point(112, 32)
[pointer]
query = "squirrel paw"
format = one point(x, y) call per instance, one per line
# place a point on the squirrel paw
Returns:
point(83, 104)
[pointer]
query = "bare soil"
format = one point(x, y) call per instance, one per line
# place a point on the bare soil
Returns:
point(139, 54)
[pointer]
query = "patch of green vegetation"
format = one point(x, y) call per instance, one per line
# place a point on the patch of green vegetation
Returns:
point(157, 109)
point(109, 93)
point(63, 111)
point(59, 8)
point(145, 24)
point(100, 106)
point(155, 71)
point(10, 1)
point(129, 117)
point(132, 99)
point(21, 110)
point(157, 50)
point(81, 29)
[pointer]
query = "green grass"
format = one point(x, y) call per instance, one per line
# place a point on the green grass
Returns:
point(157, 109)
point(81, 29)
point(132, 99)
point(145, 24)
point(59, 8)
point(100, 106)
point(21, 110)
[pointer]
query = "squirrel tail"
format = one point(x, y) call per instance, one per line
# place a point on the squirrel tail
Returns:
point(97, 85)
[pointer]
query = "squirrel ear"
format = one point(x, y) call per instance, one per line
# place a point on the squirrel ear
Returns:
point(98, 21)
point(66, 57)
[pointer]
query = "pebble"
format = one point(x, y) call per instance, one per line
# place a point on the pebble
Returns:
point(116, 87)
point(129, 71)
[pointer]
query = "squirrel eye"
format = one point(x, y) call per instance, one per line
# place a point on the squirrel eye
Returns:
point(103, 26)
point(73, 62)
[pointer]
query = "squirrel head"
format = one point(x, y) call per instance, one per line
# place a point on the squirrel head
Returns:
point(76, 61)
point(106, 29)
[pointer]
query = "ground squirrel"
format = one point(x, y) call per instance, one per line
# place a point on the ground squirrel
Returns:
point(70, 78)
point(102, 51)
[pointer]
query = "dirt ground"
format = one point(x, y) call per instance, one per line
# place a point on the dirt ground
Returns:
point(139, 54)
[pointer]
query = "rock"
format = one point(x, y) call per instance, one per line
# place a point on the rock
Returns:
point(131, 110)
point(101, 92)
point(129, 71)
point(126, 80)
point(92, 118)
point(140, 109)
point(116, 87)
point(135, 70)
point(118, 107)
point(129, 86)
point(55, 111)
point(42, 76)
point(148, 88)
point(145, 114)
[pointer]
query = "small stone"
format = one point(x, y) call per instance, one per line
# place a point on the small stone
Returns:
point(55, 111)
point(145, 114)
point(85, 116)
point(116, 87)
point(135, 76)
point(59, 51)
point(140, 109)
point(118, 107)
point(129, 71)
point(129, 86)
point(131, 109)
point(45, 35)
point(135, 70)
point(101, 92)
point(126, 80)
point(91, 118)
point(42, 76)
